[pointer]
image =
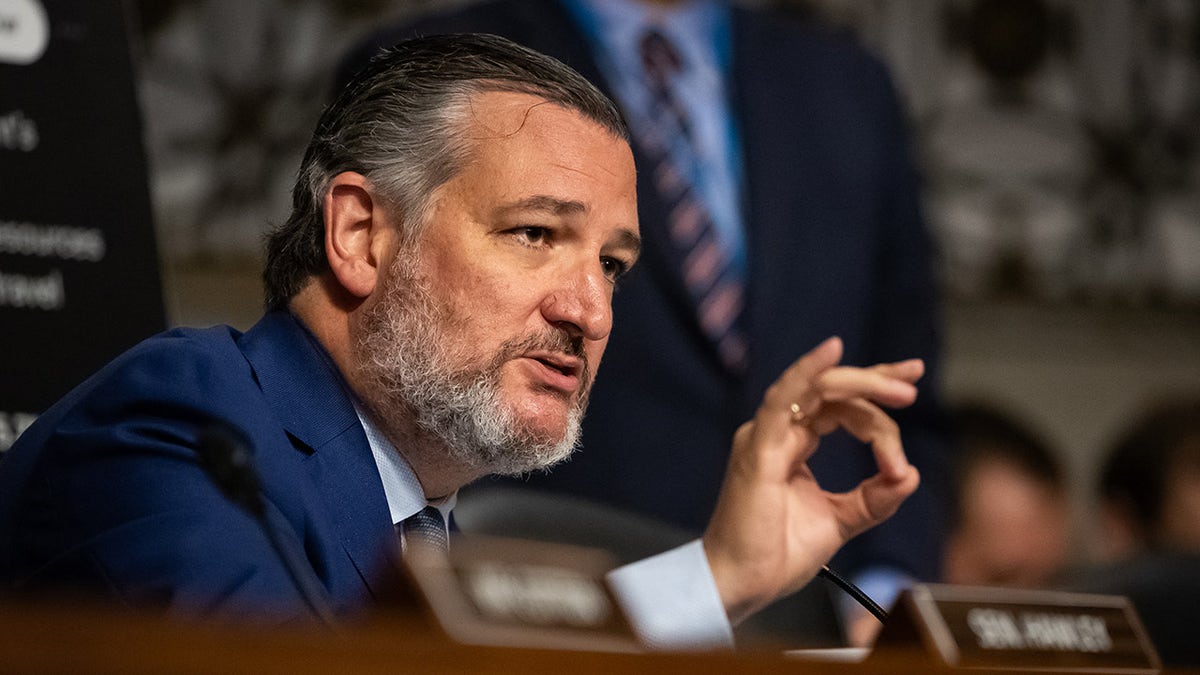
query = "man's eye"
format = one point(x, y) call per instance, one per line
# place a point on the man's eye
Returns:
point(532, 234)
point(613, 269)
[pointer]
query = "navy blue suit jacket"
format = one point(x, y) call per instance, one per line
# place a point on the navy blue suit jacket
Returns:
point(836, 246)
point(106, 492)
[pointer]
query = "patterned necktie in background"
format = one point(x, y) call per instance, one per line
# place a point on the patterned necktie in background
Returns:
point(426, 529)
point(713, 283)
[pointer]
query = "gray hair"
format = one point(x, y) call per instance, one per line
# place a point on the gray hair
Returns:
point(400, 122)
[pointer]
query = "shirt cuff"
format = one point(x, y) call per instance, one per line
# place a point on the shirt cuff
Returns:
point(672, 600)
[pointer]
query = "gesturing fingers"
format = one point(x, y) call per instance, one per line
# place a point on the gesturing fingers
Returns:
point(871, 425)
point(909, 370)
point(878, 384)
point(774, 525)
point(792, 396)
point(816, 378)
point(798, 408)
point(878, 497)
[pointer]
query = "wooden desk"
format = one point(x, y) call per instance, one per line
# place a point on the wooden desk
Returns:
point(59, 639)
point(93, 640)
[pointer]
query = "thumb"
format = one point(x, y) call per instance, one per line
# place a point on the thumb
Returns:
point(876, 499)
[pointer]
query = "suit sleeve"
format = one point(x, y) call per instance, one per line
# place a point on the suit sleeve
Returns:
point(119, 504)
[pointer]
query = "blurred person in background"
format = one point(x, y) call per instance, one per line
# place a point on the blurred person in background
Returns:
point(778, 205)
point(1012, 524)
point(1150, 485)
point(1149, 535)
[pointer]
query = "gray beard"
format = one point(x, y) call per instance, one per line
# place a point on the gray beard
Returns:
point(410, 372)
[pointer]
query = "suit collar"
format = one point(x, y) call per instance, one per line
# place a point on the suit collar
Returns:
point(305, 389)
point(312, 402)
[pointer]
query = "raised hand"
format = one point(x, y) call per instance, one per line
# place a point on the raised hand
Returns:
point(774, 526)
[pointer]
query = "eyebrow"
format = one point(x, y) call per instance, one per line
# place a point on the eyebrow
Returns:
point(630, 240)
point(559, 207)
point(562, 207)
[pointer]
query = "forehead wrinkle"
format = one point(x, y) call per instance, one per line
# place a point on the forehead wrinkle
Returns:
point(588, 171)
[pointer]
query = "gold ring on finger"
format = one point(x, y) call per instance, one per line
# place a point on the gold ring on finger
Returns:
point(798, 416)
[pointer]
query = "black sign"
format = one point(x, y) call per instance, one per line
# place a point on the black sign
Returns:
point(516, 593)
point(1027, 630)
point(79, 277)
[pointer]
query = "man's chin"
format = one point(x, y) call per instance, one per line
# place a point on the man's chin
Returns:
point(545, 417)
point(531, 459)
point(541, 444)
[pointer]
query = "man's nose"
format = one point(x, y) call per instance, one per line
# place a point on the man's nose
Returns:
point(581, 305)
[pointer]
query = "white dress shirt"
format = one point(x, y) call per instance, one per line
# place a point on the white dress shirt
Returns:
point(670, 599)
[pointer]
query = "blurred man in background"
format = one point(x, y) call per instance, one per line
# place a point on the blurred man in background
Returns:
point(1011, 525)
point(1150, 484)
point(1149, 535)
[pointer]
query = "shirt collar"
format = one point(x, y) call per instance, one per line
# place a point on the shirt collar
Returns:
point(700, 29)
point(403, 490)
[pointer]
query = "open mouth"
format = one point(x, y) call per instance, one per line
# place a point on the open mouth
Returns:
point(558, 371)
point(569, 366)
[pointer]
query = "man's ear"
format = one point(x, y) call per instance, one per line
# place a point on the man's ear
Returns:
point(356, 233)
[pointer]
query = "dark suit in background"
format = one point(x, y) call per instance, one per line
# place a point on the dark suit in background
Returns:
point(836, 246)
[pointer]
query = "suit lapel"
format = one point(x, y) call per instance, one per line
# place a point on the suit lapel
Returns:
point(310, 399)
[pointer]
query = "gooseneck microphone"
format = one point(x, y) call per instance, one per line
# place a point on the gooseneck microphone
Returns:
point(225, 455)
point(854, 592)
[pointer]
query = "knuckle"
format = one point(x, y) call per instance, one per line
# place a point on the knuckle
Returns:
point(743, 434)
point(774, 395)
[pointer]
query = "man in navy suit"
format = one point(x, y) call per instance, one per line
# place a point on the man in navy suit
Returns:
point(438, 303)
point(803, 164)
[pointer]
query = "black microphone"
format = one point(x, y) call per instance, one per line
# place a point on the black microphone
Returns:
point(854, 592)
point(225, 454)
